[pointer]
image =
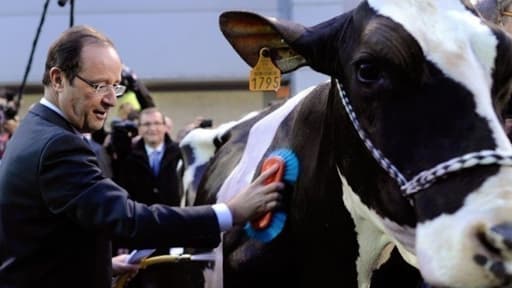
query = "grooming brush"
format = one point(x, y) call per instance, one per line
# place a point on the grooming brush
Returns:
point(271, 224)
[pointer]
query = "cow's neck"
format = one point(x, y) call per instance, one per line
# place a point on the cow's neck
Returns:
point(376, 236)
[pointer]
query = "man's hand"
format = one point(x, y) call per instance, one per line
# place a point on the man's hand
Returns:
point(119, 265)
point(256, 199)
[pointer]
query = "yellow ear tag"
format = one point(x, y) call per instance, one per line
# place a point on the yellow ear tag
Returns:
point(265, 76)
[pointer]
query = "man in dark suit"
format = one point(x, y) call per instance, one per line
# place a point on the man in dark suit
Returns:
point(58, 212)
point(149, 175)
point(147, 181)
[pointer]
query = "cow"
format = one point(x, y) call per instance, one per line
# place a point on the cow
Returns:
point(402, 151)
point(324, 247)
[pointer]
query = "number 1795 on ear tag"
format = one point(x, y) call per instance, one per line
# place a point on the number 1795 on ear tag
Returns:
point(265, 76)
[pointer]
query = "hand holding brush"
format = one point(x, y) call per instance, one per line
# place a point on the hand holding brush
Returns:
point(257, 199)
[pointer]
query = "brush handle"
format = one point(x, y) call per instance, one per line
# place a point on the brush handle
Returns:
point(265, 220)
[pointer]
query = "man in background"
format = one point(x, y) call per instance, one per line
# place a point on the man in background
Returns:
point(149, 174)
point(149, 171)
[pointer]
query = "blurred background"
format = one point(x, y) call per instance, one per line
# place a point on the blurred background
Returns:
point(174, 47)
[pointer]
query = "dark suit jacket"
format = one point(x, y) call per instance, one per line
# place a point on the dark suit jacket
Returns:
point(58, 212)
point(136, 176)
point(104, 161)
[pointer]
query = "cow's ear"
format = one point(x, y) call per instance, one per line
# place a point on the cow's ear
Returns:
point(291, 45)
point(248, 33)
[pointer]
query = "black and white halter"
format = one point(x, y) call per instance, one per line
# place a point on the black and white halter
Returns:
point(427, 177)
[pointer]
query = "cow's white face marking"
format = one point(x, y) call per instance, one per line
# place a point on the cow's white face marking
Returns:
point(376, 236)
point(446, 245)
point(458, 43)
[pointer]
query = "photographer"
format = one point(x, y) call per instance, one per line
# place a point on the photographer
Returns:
point(119, 142)
point(134, 84)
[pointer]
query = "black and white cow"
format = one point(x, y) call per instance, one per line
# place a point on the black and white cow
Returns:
point(404, 148)
point(319, 238)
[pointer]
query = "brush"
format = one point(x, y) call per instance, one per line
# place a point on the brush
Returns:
point(271, 224)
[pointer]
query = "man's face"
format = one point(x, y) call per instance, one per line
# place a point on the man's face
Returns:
point(152, 128)
point(83, 107)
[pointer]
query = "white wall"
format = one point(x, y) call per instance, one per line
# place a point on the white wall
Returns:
point(162, 40)
point(309, 13)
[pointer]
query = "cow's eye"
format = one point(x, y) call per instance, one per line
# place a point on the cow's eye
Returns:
point(368, 72)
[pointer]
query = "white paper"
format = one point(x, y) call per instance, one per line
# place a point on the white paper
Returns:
point(138, 255)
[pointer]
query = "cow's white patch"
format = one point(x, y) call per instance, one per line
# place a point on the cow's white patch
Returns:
point(200, 140)
point(258, 141)
point(376, 237)
point(458, 42)
point(447, 244)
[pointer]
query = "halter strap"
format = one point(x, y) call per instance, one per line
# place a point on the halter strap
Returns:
point(426, 177)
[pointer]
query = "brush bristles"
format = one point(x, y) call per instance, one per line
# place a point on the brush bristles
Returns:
point(274, 228)
point(290, 175)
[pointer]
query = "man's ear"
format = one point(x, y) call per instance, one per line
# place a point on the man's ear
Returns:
point(56, 78)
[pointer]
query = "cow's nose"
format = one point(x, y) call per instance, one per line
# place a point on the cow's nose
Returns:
point(498, 242)
point(503, 235)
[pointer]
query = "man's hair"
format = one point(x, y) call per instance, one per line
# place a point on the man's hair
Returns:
point(65, 52)
point(151, 110)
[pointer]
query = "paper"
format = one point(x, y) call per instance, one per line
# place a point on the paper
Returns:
point(138, 255)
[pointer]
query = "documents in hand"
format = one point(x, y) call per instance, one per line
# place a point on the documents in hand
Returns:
point(138, 255)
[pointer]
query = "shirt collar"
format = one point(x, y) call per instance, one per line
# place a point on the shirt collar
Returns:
point(55, 109)
point(150, 149)
point(50, 105)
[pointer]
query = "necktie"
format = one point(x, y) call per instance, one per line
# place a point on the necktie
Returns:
point(154, 161)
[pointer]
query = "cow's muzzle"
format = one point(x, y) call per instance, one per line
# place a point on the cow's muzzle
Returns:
point(497, 242)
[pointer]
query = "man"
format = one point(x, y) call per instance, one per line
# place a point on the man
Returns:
point(149, 175)
point(58, 212)
point(149, 171)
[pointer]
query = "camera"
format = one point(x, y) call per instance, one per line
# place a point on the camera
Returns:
point(122, 133)
point(126, 127)
point(206, 123)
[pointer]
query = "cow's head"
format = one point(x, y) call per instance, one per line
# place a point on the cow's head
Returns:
point(424, 84)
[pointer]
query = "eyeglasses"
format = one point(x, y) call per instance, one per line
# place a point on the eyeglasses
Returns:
point(147, 124)
point(102, 88)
